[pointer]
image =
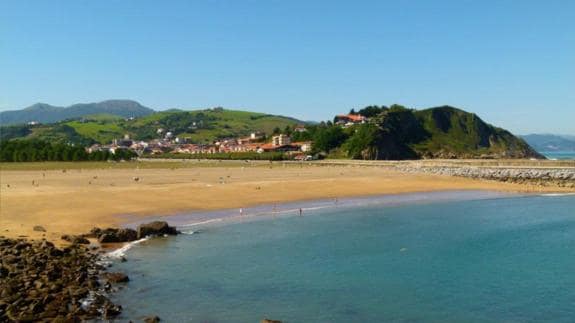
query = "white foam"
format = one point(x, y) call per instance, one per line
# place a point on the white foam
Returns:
point(86, 302)
point(557, 194)
point(200, 223)
point(121, 252)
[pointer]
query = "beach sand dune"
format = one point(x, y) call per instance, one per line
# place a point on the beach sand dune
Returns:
point(77, 199)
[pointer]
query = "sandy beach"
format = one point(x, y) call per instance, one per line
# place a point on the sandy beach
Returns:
point(74, 197)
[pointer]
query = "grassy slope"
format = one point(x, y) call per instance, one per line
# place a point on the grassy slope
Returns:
point(455, 130)
point(100, 132)
point(211, 124)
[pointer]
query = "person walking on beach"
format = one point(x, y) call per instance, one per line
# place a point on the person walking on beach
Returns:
point(241, 212)
point(300, 212)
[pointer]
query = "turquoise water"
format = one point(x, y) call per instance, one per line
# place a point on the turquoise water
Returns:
point(559, 155)
point(509, 259)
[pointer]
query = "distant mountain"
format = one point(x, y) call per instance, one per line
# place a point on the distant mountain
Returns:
point(45, 113)
point(549, 142)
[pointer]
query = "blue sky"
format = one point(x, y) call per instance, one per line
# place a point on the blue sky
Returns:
point(511, 62)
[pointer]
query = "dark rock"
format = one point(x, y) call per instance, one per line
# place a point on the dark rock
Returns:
point(126, 235)
point(39, 228)
point(108, 238)
point(39, 282)
point(155, 228)
point(74, 239)
point(94, 233)
point(117, 235)
point(152, 319)
point(117, 277)
point(270, 321)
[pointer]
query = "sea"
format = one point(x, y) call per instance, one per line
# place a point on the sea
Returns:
point(468, 256)
point(559, 155)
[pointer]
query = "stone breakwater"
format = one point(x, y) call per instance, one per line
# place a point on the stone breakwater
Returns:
point(41, 283)
point(561, 177)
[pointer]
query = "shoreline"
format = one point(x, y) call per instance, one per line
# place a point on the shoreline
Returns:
point(187, 219)
point(69, 199)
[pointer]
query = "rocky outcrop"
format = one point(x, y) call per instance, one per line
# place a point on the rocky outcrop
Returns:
point(114, 235)
point(111, 235)
point(39, 282)
point(155, 228)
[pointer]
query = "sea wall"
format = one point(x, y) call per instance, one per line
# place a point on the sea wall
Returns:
point(562, 177)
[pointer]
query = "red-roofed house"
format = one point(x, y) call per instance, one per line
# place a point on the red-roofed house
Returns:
point(347, 120)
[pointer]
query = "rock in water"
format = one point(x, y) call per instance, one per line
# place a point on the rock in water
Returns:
point(155, 228)
point(152, 319)
point(114, 235)
point(270, 321)
point(127, 235)
point(117, 277)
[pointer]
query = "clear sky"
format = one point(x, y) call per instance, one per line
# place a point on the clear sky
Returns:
point(511, 62)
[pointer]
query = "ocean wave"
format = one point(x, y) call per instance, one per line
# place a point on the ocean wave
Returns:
point(121, 252)
point(557, 194)
point(200, 223)
point(190, 232)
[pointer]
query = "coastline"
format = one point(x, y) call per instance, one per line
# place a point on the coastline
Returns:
point(72, 200)
point(188, 220)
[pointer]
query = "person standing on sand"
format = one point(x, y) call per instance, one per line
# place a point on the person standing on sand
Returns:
point(300, 212)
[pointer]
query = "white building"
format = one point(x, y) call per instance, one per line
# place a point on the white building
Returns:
point(281, 140)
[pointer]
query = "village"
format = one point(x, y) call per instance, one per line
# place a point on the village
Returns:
point(169, 144)
point(256, 142)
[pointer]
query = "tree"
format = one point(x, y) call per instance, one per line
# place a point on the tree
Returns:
point(363, 144)
point(328, 138)
point(372, 111)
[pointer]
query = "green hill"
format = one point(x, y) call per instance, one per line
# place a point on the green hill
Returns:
point(198, 126)
point(441, 132)
point(453, 131)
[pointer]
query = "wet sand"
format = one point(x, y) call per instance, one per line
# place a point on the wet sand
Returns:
point(88, 195)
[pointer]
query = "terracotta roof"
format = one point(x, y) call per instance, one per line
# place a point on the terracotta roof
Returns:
point(352, 117)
